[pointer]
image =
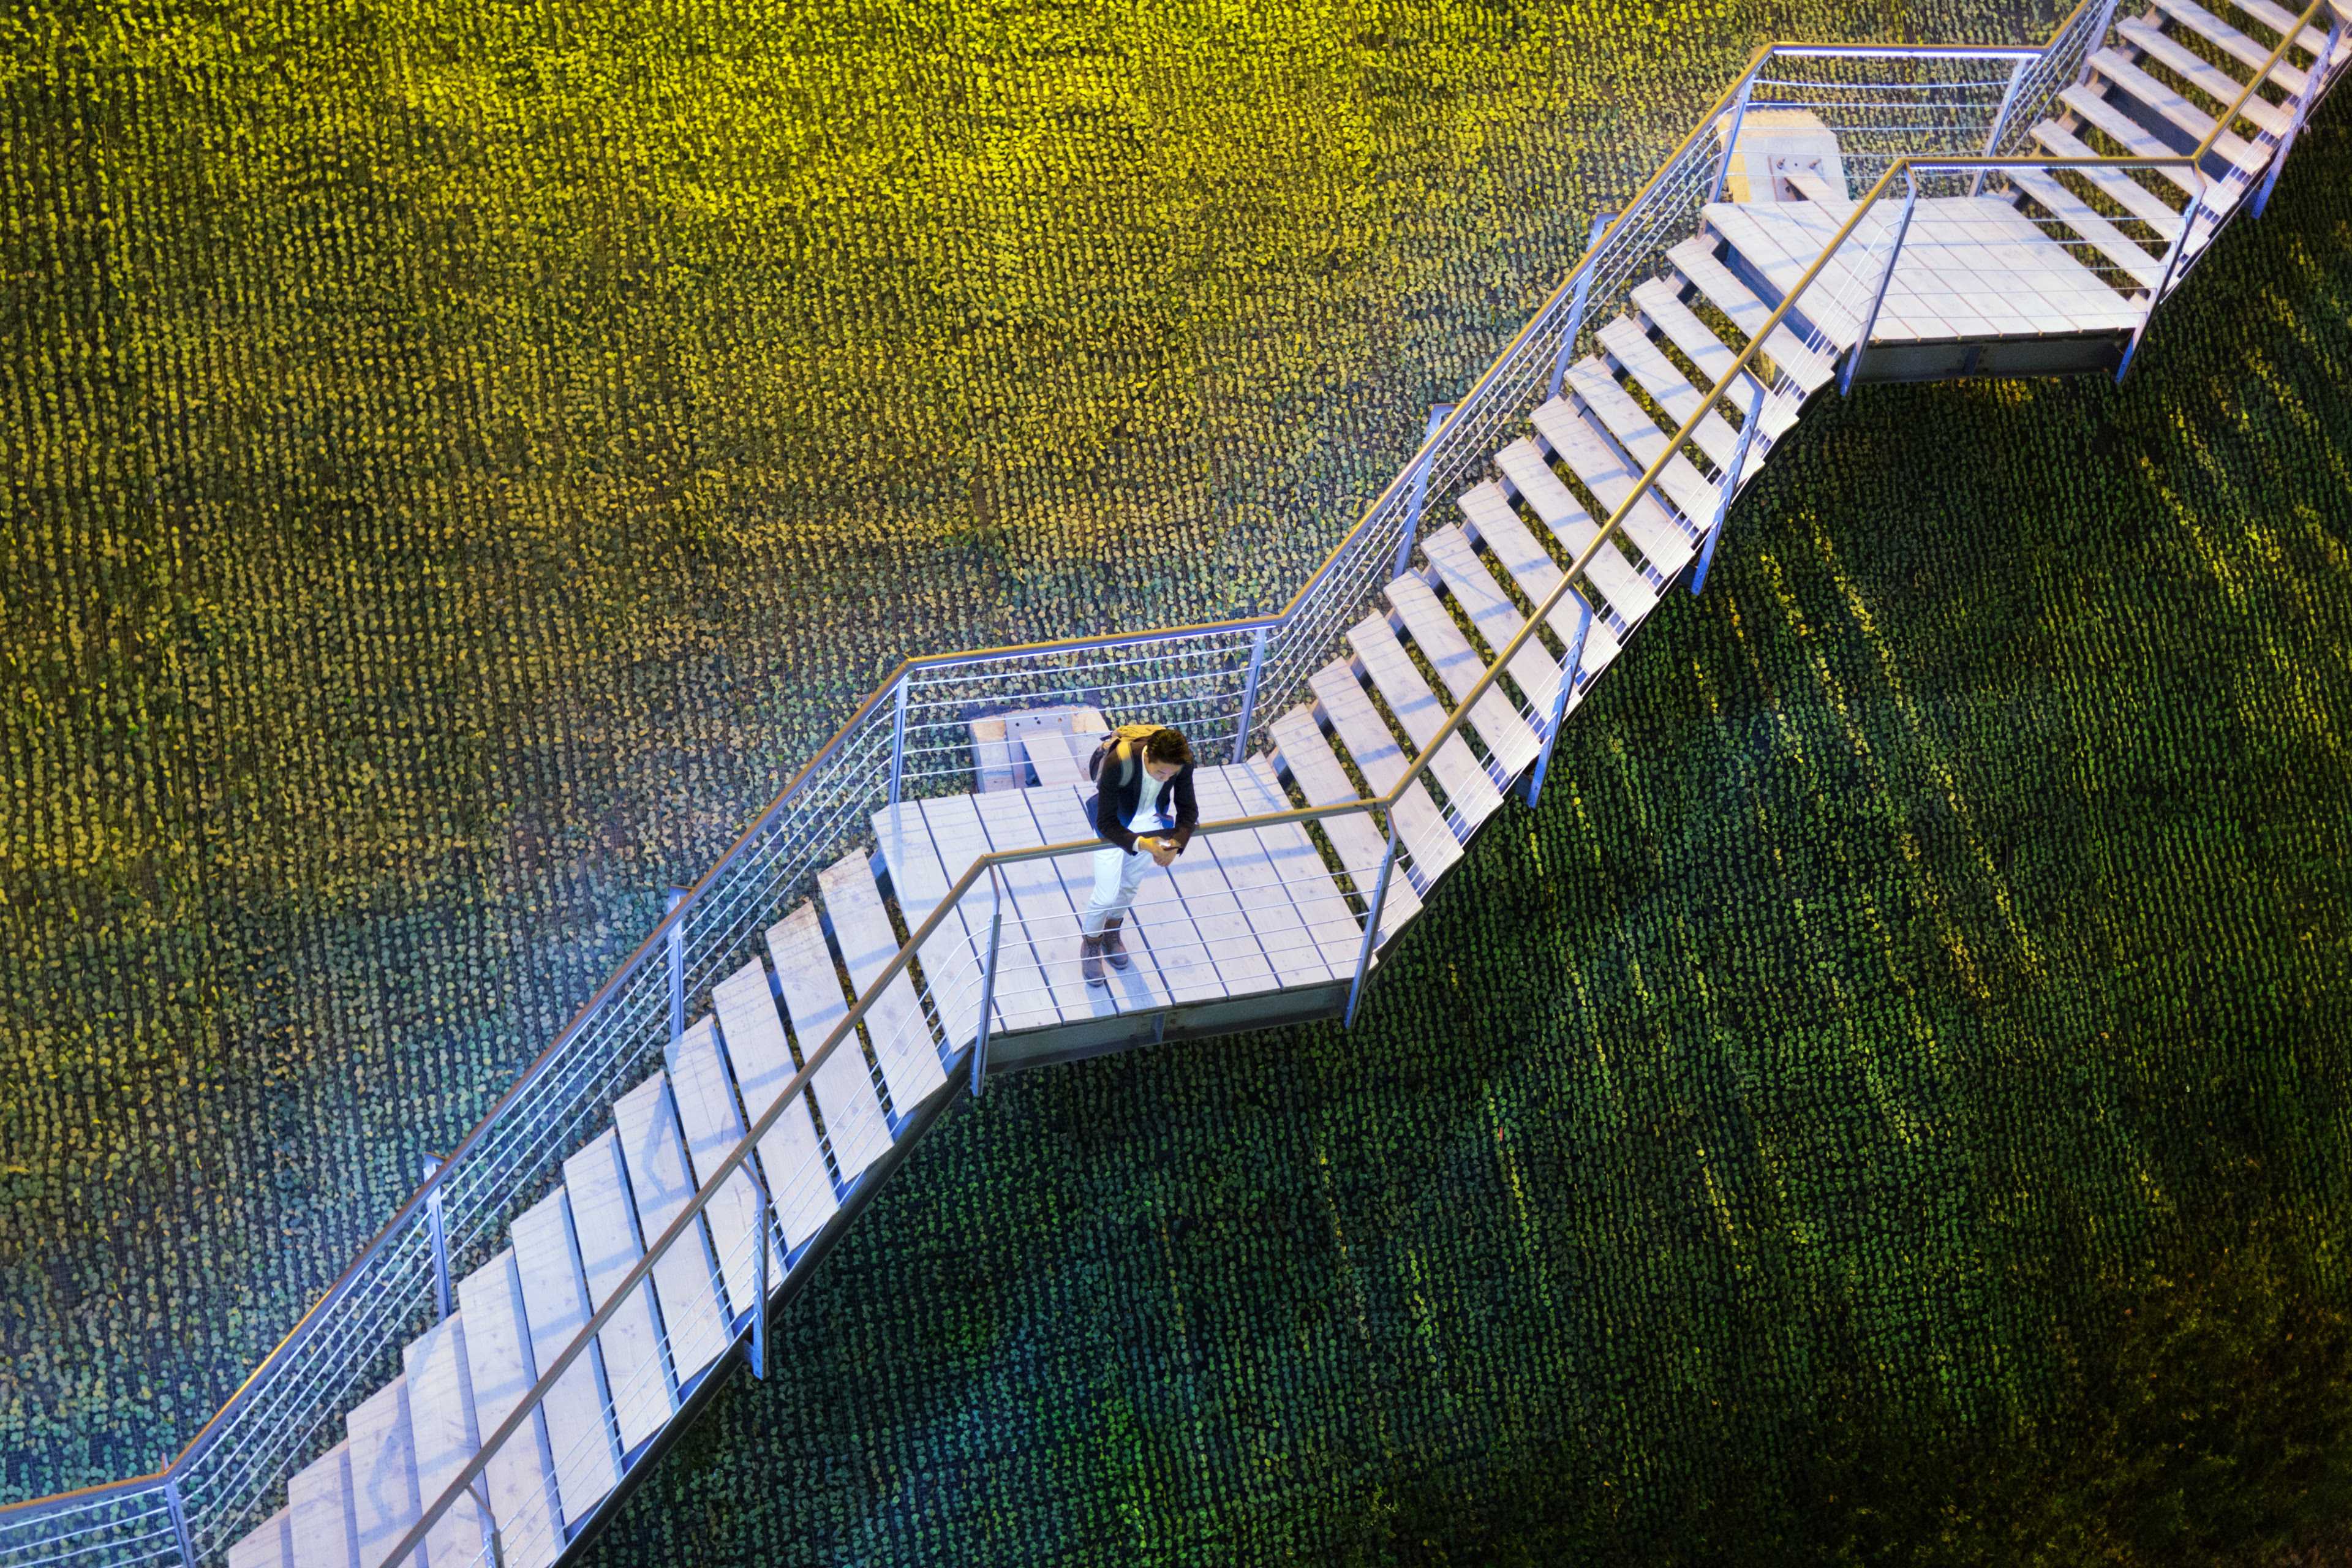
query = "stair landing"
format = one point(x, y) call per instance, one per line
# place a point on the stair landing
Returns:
point(1973, 271)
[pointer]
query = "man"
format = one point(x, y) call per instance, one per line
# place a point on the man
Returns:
point(1139, 773)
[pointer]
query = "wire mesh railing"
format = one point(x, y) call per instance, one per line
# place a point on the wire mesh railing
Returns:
point(1916, 114)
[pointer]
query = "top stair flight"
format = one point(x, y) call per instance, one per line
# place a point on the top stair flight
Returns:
point(634, 1212)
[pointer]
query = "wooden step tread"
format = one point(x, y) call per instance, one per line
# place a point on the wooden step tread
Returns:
point(604, 1223)
point(1809, 367)
point(713, 1124)
point(319, 1499)
point(271, 1544)
point(1635, 353)
point(1652, 530)
point(1487, 606)
point(2151, 209)
point(1590, 381)
point(1425, 833)
point(1448, 652)
point(1308, 757)
point(950, 956)
point(2129, 80)
point(2085, 221)
point(444, 1437)
point(1663, 308)
point(854, 1124)
point(2203, 75)
point(2282, 21)
point(790, 1162)
point(500, 1370)
point(2134, 138)
point(685, 1276)
point(903, 1042)
point(2232, 42)
point(1415, 707)
point(580, 1435)
point(1627, 594)
point(384, 1503)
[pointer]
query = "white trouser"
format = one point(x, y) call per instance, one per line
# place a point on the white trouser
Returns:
point(1118, 874)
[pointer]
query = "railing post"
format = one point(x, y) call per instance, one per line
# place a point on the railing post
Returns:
point(676, 945)
point(440, 1239)
point(759, 1346)
point(179, 1513)
point(1576, 304)
point(1437, 412)
point(1371, 924)
point(2172, 256)
point(1731, 142)
point(2303, 102)
point(2000, 121)
point(1249, 696)
point(1730, 488)
point(898, 739)
point(1870, 322)
point(1569, 669)
point(988, 981)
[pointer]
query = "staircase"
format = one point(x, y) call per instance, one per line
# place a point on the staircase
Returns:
point(889, 934)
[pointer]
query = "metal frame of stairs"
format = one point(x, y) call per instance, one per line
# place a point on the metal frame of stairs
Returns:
point(620, 1227)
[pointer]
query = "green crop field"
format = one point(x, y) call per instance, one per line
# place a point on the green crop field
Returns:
point(1889, 1104)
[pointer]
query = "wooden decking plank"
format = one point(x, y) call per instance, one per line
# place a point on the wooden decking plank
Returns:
point(1639, 433)
point(1627, 592)
point(1042, 917)
point(2203, 75)
point(1216, 913)
point(1171, 964)
point(500, 1370)
point(444, 1437)
point(1467, 785)
point(2129, 80)
point(791, 1160)
point(714, 1124)
point(271, 1544)
point(1023, 999)
point(2232, 42)
point(580, 1435)
point(1255, 880)
point(1537, 574)
point(1631, 348)
point(1809, 367)
point(1322, 908)
point(951, 962)
point(904, 1045)
point(2084, 220)
point(1430, 625)
point(2143, 204)
point(383, 1474)
point(1653, 529)
point(1360, 843)
point(854, 1124)
point(2313, 41)
point(606, 1225)
point(686, 1274)
point(319, 1500)
point(1422, 829)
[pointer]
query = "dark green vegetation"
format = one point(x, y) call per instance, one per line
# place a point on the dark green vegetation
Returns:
point(1889, 1103)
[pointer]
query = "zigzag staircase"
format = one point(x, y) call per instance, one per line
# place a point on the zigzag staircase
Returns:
point(622, 1255)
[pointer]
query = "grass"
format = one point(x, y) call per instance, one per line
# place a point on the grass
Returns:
point(1888, 1105)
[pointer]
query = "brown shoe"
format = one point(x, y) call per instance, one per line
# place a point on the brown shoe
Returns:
point(1090, 959)
point(1112, 947)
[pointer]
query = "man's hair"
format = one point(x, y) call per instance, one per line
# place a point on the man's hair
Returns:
point(1168, 746)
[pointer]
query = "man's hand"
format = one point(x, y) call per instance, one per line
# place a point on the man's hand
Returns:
point(1160, 850)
